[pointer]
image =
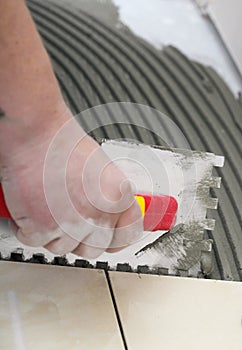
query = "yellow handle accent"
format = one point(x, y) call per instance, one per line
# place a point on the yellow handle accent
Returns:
point(140, 200)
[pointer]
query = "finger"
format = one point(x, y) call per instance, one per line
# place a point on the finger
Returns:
point(114, 250)
point(96, 243)
point(38, 239)
point(129, 229)
point(76, 231)
point(87, 252)
point(63, 245)
point(13, 226)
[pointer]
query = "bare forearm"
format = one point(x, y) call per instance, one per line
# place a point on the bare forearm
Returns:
point(29, 92)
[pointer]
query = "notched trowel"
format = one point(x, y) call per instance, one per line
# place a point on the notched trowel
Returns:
point(178, 182)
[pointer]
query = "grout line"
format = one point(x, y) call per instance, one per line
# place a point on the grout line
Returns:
point(116, 310)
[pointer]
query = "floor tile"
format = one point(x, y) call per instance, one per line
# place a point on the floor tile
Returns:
point(159, 312)
point(53, 307)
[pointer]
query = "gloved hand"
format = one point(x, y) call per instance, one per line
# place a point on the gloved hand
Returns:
point(64, 193)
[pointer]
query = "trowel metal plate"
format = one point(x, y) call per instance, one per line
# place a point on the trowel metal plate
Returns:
point(184, 174)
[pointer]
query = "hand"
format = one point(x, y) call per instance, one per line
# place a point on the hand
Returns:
point(65, 194)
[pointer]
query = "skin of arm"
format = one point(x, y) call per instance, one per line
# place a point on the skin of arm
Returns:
point(32, 114)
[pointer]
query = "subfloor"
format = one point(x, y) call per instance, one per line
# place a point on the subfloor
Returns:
point(98, 60)
point(106, 52)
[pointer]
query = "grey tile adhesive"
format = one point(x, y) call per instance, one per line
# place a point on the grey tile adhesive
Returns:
point(114, 65)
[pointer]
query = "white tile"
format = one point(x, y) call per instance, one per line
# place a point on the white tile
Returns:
point(174, 313)
point(226, 16)
point(180, 23)
point(52, 307)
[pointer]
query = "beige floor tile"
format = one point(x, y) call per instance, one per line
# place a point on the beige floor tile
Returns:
point(50, 307)
point(174, 313)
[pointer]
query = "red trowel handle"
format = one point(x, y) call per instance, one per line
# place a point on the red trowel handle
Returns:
point(158, 211)
point(4, 213)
